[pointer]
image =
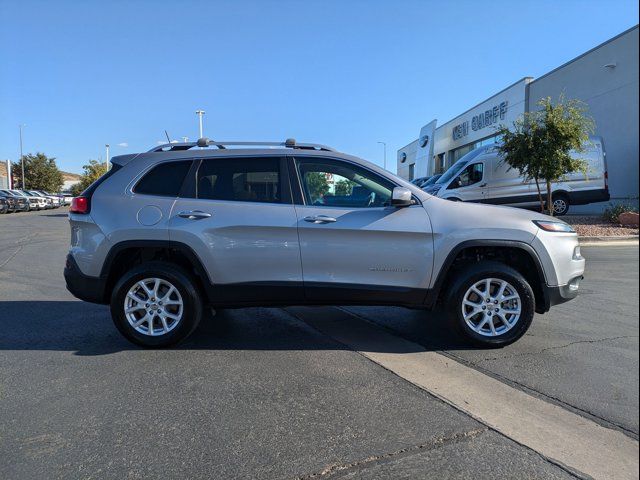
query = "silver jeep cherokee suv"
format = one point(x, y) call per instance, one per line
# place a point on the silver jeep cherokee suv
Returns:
point(184, 225)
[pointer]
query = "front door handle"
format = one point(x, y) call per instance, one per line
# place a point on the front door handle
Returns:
point(319, 219)
point(483, 185)
point(194, 214)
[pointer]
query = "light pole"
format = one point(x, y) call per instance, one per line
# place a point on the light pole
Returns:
point(21, 155)
point(200, 113)
point(385, 154)
point(107, 147)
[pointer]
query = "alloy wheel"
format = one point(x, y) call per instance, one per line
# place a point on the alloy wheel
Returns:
point(153, 306)
point(491, 307)
point(559, 206)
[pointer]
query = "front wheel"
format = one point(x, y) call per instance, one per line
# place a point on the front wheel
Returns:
point(490, 304)
point(156, 304)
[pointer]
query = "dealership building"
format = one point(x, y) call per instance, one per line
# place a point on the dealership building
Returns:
point(605, 78)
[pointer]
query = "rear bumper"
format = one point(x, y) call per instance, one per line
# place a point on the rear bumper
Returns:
point(89, 289)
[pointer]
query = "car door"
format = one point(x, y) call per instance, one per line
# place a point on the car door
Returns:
point(355, 247)
point(240, 222)
point(470, 185)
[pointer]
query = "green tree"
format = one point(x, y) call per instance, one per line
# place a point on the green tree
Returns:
point(344, 187)
point(92, 171)
point(317, 185)
point(540, 143)
point(40, 171)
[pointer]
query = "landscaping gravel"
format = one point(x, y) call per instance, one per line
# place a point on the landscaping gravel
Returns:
point(596, 226)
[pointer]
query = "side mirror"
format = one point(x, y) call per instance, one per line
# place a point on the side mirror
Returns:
point(401, 197)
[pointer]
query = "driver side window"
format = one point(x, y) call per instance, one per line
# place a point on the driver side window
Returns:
point(470, 175)
point(333, 183)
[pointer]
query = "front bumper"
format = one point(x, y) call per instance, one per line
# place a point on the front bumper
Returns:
point(89, 289)
point(560, 294)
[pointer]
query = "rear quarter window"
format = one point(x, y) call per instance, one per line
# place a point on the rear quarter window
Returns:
point(164, 180)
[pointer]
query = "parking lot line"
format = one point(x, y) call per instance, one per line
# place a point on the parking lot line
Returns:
point(558, 434)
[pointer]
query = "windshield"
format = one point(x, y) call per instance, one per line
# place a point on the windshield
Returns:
point(452, 171)
point(456, 167)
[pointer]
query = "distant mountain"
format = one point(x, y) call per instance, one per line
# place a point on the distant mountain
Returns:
point(69, 177)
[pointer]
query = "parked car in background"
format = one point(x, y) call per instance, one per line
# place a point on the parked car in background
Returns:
point(33, 201)
point(43, 202)
point(419, 181)
point(482, 176)
point(430, 181)
point(164, 233)
point(55, 200)
point(9, 200)
point(21, 202)
point(4, 206)
point(66, 198)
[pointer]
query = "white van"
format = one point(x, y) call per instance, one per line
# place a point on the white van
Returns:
point(483, 176)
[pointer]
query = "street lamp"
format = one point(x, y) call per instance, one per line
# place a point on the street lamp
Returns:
point(107, 147)
point(21, 155)
point(200, 113)
point(385, 154)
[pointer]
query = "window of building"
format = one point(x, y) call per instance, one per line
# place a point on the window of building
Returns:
point(240, 179)
point(164, 179)
point(341, 184)
point(460, 152)
point(412, 172)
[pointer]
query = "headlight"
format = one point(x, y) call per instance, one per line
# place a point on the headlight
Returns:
point(550, 226)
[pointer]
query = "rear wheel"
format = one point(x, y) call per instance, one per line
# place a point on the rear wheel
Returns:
point(560, 204)
point(490, 304)
point(156, 304)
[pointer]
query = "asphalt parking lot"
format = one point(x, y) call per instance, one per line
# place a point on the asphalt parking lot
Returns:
point(264, 393)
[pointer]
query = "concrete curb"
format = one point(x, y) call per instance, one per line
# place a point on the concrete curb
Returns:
point(623, 239)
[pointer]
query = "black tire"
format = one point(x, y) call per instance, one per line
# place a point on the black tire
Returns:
point(181, 280)
point(560, 204)
point(468, 276)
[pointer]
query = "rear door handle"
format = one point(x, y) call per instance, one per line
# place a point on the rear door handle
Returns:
point(319, 219)
point(483, 185)
point(194, 214)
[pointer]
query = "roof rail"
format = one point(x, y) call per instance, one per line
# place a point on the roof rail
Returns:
point(205, 142)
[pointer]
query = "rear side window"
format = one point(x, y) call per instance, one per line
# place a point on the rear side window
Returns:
point(252, 179)
point(164, 180)
point(92, 188)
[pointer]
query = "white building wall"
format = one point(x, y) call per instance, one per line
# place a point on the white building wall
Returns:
point(481, 121)
point(475, 124)
point(406, 157)
point(606, 79)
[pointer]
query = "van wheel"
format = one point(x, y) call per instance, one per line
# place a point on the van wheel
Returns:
point(490, 304)
point(560, 204)
point(156, 304)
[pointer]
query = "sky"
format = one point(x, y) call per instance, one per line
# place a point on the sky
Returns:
point(349, 74)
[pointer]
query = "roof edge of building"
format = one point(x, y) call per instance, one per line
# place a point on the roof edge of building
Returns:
point(628, 30)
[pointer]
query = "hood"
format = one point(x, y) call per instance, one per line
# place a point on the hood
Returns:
point(480, 221)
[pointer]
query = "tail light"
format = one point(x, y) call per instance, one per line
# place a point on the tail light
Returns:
point(79, 205)
point(606, 180)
